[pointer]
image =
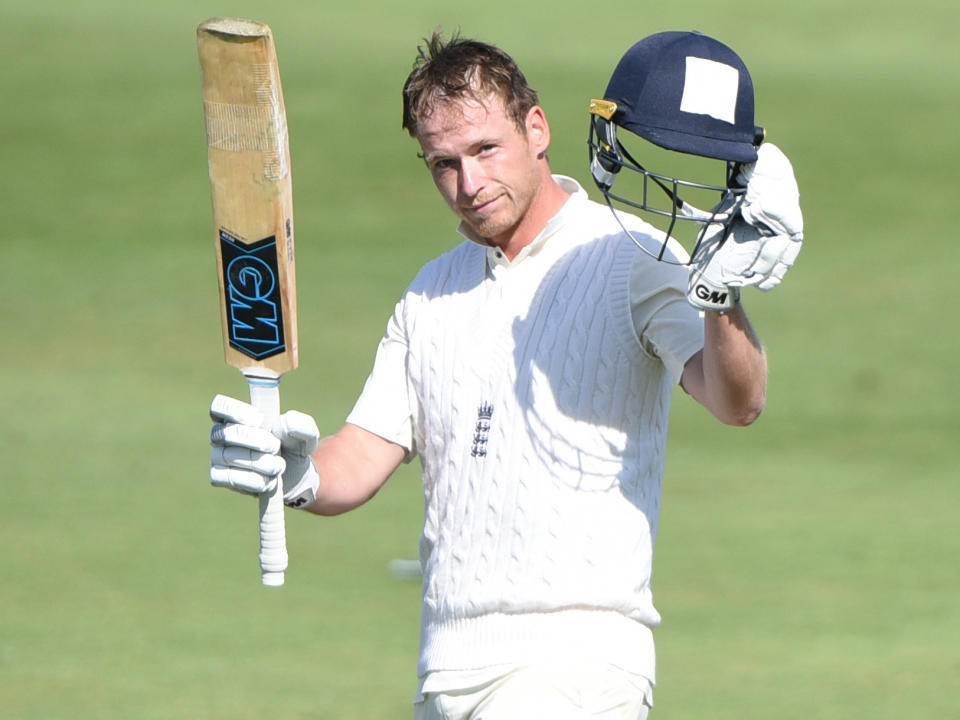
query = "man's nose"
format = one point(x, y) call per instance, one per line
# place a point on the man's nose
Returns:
point(471, 177)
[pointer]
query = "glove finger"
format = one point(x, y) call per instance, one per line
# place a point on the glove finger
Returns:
point(782, 266)
point(765, 220)
point(789, 256)
point(743, 280)
point(224, 409)
point(770, 283)
point(298, 432)
point(242, 481)
point(776, 276)
point(785, 219)
point(246, 436)
point(244, 459)
point(770, 253)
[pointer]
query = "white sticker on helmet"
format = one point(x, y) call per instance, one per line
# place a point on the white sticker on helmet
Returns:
point(710, 88)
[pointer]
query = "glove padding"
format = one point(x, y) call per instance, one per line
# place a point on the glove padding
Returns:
point(248, 457)
point(759, 245)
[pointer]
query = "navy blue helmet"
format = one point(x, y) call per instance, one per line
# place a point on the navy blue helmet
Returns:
point(685, 92)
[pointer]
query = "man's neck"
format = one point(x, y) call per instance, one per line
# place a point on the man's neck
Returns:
point(548, 202)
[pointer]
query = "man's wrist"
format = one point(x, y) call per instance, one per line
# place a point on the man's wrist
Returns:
point(706, 295)
point(304, 493)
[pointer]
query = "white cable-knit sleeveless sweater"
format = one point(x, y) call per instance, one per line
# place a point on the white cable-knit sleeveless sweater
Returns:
point(541, 425)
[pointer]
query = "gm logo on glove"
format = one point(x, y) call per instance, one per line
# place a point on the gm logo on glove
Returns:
point(714, 297)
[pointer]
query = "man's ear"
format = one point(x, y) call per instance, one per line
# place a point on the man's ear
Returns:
point(538, 130)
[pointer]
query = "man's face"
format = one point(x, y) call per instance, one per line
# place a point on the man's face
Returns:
point(487, 170)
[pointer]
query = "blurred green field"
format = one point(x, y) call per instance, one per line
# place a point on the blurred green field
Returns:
point(806, 566)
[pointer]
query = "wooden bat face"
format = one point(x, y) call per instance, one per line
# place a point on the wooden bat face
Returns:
point(249, 163)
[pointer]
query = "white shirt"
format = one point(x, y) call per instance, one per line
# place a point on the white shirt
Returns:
point(665, 325)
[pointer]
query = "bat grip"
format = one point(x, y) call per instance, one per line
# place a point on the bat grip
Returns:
point(265, 396)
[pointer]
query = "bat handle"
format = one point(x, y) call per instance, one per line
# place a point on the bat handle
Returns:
point(265, 396)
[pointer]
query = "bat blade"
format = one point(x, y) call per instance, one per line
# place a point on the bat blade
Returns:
point(252, 197)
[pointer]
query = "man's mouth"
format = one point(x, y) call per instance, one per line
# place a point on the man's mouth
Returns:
point(478, 208)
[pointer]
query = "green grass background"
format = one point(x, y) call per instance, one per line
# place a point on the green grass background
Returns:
point(806, 567)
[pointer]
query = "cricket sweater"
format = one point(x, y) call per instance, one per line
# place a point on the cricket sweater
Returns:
point(540, 419)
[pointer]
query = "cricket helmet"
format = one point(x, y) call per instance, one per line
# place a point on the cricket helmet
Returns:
point(685, 92)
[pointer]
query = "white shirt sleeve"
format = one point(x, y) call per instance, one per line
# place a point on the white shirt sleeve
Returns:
point(383, 407)
point(668, 326)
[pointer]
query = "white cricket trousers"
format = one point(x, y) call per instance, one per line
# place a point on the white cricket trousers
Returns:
point(551, 693)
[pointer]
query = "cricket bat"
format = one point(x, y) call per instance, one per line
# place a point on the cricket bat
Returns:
point(249, 162)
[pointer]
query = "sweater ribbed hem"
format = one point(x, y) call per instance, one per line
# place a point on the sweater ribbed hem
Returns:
point(518, 639)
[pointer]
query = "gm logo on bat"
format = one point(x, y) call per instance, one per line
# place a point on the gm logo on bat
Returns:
point(254, 312)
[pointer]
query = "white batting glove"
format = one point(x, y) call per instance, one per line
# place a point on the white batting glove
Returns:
point(248, 457)
point(772, 202)
point(760, 245)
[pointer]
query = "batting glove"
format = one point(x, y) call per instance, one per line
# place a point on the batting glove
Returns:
point(758, 246)
point(248, 457)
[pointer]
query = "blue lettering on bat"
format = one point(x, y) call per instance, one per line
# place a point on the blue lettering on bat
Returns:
point(253, 317)
point(254, 310)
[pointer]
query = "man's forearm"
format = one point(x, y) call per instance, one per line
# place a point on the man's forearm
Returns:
point(734, 366)
point(353, 465)
point(729, 376)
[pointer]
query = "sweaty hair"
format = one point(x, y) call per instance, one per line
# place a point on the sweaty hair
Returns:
point(461, 69)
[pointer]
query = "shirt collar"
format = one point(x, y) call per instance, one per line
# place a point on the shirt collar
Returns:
point(495, 257)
